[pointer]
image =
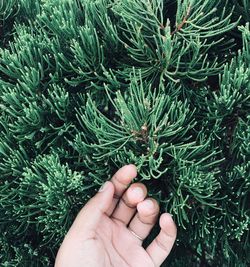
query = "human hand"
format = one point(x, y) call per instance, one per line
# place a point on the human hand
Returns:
point(110, 228)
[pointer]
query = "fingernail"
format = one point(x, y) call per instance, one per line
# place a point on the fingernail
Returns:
point(149, 204)
point(103, 187)
point(138, 192)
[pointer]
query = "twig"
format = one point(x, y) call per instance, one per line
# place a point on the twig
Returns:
point(179, 27)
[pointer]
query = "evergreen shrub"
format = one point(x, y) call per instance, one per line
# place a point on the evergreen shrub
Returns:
point(87, 86)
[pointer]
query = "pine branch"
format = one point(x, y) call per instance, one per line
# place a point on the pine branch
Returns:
point(180, 26)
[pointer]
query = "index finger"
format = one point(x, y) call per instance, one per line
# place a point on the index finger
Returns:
point(121, 180)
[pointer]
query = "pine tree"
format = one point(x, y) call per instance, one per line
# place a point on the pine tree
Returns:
point(87, 86)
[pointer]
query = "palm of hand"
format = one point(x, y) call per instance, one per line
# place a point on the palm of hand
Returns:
point(105, 232)
point(117, 246)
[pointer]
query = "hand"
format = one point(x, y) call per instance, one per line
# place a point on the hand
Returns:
point(101, 234)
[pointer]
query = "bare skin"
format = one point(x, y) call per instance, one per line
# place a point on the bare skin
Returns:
point(100, 235)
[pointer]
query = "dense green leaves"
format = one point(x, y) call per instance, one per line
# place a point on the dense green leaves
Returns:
point(88, 86)
point(187, 51)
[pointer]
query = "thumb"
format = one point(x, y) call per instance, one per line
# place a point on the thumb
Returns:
point(91, 214)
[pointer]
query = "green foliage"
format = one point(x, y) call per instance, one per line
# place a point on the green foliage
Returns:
point(88, 86)
point(187, 51)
